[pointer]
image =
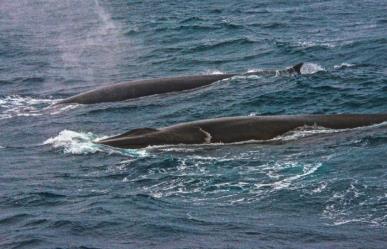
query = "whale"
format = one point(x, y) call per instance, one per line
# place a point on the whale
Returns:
point(140, 88)
point(236, 129)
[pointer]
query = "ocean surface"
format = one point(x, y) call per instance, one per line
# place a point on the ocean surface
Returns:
point(310, 188)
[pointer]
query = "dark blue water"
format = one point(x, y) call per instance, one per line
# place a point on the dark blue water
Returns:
point(312, 188)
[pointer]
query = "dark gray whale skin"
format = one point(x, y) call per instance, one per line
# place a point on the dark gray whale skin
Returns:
point(141, 88)
point(236, 129)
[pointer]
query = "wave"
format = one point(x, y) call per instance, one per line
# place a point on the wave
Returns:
point(310, 44)
point(307, 169)
point(343, 65)
point(25, 106)
point(342, 207)
point(297, 46)
point(15, 106)
point(189, 175)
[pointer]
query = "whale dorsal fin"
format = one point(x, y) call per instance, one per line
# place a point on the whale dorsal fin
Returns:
point(297, 68)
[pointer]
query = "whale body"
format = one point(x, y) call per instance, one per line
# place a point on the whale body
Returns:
point(141, 88)
point(236, 129)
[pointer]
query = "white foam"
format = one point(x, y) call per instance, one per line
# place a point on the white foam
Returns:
point(343, 206)
point(18, 106)
point(346, 221)
point(343, 65)
point(210, 158)
point(304, 131)
point(320, 188)
point(15, 105)
point(310, 44)
point(171, 148)
point(74, 142)
point(78, 143)
point(214, 72)
point(308, 169)
point(53, 110)
point(255, 70)
point(311, 68)
point(252, 76)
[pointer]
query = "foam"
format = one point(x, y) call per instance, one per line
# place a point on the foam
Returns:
point(343, 65)
point(343, 206)
point(310, 44)
point(15, 106)
point(215, 72)
point(304, 131)
point(308, 169)
point(74, 142)
point(82, 143)
point(311, 68)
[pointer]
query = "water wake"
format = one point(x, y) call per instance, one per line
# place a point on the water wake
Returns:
point(15, 105)
point(25, 106)
point(286, 182)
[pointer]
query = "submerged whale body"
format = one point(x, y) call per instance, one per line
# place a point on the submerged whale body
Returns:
point(141, 88)
point(236, 129)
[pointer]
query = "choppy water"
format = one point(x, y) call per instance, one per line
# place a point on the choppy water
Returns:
point(309, 188)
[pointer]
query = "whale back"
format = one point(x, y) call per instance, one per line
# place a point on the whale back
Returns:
point(143, 137)
point(140, 88)
point(237, 129)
